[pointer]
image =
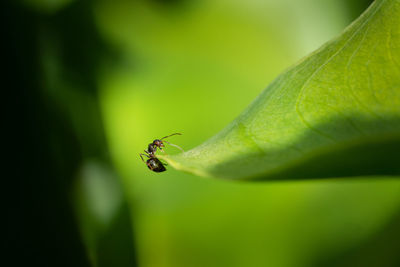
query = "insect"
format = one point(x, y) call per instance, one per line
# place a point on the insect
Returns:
point(153, 163)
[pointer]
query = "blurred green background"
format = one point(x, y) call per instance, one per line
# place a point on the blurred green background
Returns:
point(93, 82)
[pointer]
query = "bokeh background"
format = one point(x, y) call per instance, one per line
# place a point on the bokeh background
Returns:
point(91, 83)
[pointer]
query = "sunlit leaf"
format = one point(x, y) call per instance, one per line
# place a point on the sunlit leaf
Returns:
point(334, 114)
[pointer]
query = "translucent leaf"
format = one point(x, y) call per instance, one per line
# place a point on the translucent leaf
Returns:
point(334, 114)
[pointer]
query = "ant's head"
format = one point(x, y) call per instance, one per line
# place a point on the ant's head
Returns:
point(158, 143)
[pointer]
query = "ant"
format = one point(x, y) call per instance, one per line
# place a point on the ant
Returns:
point(153, 163)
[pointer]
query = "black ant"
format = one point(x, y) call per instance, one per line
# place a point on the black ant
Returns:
point(153, 163)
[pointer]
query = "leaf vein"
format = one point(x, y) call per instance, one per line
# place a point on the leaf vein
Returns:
point(299, 97)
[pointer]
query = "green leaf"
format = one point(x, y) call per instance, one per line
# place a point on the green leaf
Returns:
point(336, 113)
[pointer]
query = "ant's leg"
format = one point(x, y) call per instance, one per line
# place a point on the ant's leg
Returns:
point(170, 135)
point(174, 146)
point(141, 154)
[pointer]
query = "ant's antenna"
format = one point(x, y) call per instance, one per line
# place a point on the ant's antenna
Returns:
point(170, 135)
point(174, 146)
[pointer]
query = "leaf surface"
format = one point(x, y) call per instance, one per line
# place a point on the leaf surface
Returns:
point(334, 114)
